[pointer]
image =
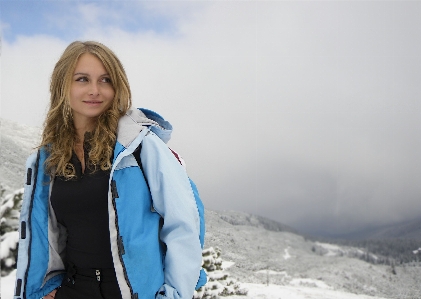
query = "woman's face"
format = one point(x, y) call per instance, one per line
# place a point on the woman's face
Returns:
point(91, 91)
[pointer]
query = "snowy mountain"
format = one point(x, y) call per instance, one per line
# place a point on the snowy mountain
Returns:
point(239, 218)
point(17, 142)
point(407, 230)
point(259, 256)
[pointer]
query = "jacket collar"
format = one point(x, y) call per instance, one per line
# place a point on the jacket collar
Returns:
point(135, 120)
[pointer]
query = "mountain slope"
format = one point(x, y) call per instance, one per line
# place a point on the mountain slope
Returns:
point(285, 258)
point(407, 230)
point(17, 142)
point(240, 218)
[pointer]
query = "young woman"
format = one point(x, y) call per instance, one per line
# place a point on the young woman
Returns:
point(108, 211)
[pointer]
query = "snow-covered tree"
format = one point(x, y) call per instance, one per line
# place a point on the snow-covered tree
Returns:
point(219, 283)
point(9, 215)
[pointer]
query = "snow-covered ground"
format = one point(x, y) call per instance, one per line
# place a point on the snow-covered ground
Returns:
point(295, 265)
point(260, 291)
point(273, 291)
point(7, 285)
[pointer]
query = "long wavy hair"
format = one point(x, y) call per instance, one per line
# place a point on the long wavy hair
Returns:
point(59, 134)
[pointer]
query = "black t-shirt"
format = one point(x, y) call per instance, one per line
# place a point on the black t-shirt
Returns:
point(81, 205)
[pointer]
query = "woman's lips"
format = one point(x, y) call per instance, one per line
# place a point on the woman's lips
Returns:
point(92, 102)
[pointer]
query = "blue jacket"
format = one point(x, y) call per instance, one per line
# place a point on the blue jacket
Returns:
point(143, 268)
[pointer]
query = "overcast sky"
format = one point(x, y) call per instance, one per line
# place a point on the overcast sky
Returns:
point(304, 112)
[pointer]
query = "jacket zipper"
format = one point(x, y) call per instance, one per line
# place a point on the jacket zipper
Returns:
point(120, 246)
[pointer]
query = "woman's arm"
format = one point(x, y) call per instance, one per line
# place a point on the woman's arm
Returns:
point(173, 199)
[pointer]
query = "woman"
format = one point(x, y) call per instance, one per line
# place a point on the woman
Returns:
point(108, 212)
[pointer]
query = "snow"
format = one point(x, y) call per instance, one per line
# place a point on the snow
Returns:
point(259, 258)
point(17, 142)
point(309, 282)
point(271, 272)
point(8, 241)
point(273, 291)
point(227, 264)
point(260, 291)
point(286, 254)
point(332, 250)
point(7, 285)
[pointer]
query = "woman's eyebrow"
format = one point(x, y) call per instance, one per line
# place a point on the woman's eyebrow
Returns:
point(85, 74)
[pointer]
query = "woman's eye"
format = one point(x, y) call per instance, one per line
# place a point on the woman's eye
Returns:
point(82, 79)
point(106, 80)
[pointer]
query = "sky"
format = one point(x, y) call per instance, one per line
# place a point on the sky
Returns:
point(305, 112)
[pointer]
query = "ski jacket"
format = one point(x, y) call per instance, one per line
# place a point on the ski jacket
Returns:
point(151, 259)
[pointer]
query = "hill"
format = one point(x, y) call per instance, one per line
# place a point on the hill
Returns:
point(17, 142)
point(259, 255)
point(240, 218)
point(410, 229)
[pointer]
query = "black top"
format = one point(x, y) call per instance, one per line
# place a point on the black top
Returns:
point(81, 205)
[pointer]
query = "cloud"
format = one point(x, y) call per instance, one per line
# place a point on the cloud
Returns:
point(4, 27)
point(27, 65)
point(306, 112)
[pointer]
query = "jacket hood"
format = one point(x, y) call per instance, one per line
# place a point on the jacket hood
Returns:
point(135, 120)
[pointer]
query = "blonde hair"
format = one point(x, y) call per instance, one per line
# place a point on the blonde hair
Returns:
point(59, 135)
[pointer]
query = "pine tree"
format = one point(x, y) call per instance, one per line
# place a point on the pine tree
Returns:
point(9, 215)
point(219, 283)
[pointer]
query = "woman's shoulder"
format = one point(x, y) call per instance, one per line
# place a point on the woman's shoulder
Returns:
point(136, 120)
point(39, 152)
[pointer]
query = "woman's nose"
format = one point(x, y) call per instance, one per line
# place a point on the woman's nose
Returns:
point(94, 89)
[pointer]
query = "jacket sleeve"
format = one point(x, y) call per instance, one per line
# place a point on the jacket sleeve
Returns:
point(173, 199)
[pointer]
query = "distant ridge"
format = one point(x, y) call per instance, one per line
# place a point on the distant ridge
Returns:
point(242, 218)
point(410, 229)
point(407, 230)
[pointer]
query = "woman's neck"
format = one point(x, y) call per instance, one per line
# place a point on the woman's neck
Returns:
point(81, 127)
